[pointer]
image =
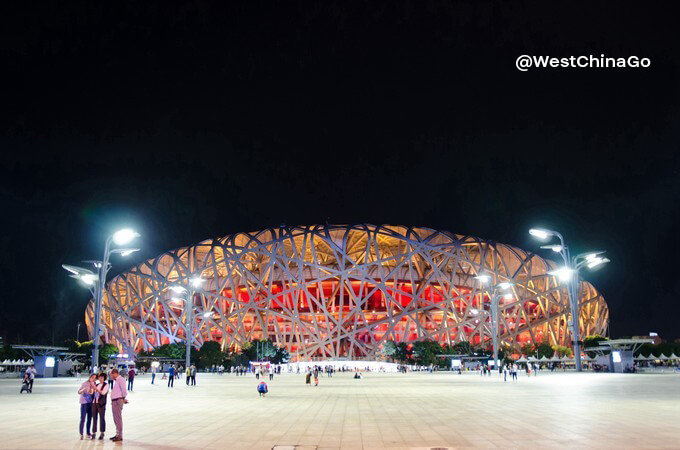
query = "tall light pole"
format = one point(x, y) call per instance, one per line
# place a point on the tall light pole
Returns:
point(194, 284)
point(96, 281)
point(570, 274)
point(496, 296)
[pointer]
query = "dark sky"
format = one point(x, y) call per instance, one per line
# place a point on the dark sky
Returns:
point(200, 119)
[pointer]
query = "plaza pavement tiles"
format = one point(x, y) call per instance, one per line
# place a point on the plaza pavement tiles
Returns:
point(382, 410)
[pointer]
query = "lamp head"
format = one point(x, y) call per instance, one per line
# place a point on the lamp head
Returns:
point(75, 270)
point(178, 289)
point(124, 236)
point(88, 279)
point(556, 248)
point(505, 285)
point(596, 261)
point(541, 233)
point(563, 273)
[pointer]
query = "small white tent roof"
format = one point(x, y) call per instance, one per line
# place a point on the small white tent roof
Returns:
point(544, 358)
point(532, 359)
point(554, 359)
point(522, 360)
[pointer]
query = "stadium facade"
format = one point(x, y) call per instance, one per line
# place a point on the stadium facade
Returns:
point(330, 291)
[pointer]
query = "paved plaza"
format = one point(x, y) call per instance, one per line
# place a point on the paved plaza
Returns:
point(417, 410)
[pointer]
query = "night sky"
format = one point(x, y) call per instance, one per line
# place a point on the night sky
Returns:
point(192, 120)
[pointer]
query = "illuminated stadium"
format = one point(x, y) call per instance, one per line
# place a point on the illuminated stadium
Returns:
point(331, 291)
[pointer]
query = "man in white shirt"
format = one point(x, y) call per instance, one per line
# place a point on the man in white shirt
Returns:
point(31, 376)
point(118, 394)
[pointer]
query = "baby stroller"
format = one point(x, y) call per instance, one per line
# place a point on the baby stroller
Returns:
point(25, 384)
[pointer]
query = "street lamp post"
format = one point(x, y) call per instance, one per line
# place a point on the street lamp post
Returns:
point(570, 274)
point(496, 297)
point(189, 313)
point(97, 281)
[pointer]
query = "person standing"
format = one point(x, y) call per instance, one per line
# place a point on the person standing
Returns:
point(86, 392)
point(153, 373)
point(31, 376)
point(131, 378)
point(118, 394)
point(101, 392)
point(308, 378)
point(110, 379)
point(171, 376)
point(192, 374)
point(187, 375)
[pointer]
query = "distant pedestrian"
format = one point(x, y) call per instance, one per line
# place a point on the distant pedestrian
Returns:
point(308, 379)
point(262, 388)
point(118, 394)
point(31, 376)
point(316, 378)
point(171, 376)
point(192, 374)
point(26, 383)
point(187, 375)
point(86, 393)
point(153, 373)
point(131, 378)
point(101, 391)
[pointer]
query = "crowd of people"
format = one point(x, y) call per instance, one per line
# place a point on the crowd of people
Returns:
point(115, 383)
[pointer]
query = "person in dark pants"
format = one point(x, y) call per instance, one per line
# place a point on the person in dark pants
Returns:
point(171, 376)
point(31, 374)
point(131, 378)
point(101, 391)
point(86, 393)
point(193, 375)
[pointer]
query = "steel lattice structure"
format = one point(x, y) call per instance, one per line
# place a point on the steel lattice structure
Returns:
point(327, 291)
